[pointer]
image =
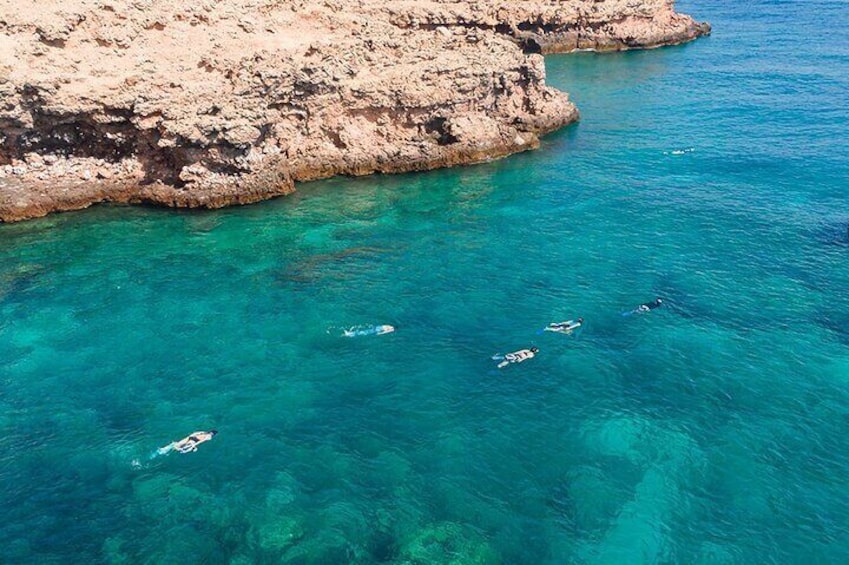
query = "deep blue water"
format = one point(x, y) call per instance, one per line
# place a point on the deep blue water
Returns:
point(712, 430)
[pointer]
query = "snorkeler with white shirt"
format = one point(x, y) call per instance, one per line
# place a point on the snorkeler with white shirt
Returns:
point(566, 327)
point(515, 357)
point(358, 331)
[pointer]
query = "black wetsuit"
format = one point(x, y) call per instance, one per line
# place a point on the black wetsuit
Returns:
point(650, 305)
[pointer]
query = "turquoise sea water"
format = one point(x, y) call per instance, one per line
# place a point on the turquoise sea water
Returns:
point(713, 430)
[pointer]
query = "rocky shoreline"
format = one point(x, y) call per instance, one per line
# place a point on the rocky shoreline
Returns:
point(232, 102)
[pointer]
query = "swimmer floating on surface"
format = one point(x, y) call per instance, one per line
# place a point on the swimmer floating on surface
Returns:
point(357, 331)
point(187, 444)
point(566, 327)
point(515, 357)
point(647, 307)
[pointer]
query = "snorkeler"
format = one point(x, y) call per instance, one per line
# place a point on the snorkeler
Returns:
point(566, 327)
point(515, 357)
point(189, 443)
point(649, 306)
point(643, 308)
point(357, 331)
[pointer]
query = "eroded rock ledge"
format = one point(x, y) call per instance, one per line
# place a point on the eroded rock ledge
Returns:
point(213, 103)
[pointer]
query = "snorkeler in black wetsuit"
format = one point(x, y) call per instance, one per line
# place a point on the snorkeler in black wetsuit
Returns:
point(649, 306)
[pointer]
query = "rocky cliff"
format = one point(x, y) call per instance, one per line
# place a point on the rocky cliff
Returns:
point(211, 103)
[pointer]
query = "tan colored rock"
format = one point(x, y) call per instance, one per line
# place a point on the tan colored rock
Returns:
point(207, 104)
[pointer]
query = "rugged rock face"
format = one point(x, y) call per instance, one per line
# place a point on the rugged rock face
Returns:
point(224, 102)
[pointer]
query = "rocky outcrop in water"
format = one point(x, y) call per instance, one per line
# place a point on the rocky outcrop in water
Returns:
point(231, 102)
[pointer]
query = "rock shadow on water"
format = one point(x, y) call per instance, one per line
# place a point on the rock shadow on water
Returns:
point(340, 265)
point(175, 519)
point(837, 324)
point(449, 543)
point(202, 222)
point(278, 522)
point(19, 279)
point(833, 233)
point(336, 533)
point(562, 505)
point(591, 499)
point(639, 532)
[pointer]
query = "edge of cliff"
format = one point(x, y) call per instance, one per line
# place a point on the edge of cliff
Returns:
point(103, 102)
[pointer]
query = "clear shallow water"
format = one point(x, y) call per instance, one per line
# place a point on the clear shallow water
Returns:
point(710, 431)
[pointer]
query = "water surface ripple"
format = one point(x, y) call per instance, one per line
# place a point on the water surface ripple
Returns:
point(712, 430)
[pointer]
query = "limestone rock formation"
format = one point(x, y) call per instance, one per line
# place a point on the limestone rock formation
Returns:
point(211, 103)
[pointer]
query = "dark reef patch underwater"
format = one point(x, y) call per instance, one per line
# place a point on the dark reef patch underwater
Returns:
point(712, 430)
